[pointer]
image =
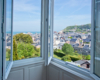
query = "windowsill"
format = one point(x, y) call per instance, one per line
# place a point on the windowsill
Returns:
point(72, 67)
point(71, 71)
point(29, 61)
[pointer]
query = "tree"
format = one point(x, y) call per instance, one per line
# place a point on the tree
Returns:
point(67, 49)
point(8, 52)
point(26, 50)
point(15, 55)
point(23, 38)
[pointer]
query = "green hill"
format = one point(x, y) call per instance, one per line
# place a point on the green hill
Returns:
point(78, 28)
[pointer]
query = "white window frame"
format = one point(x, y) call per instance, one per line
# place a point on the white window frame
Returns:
point(22, 62)
point(1, 58)
point(46, 13)
point(6, 70)
point(79, 69)
point(93, 41)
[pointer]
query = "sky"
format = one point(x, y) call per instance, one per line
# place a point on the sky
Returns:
point(27, 14)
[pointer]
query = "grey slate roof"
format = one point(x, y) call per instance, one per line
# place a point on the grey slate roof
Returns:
point(73, 40)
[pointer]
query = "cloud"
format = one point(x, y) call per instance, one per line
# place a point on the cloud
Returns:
point(25, 6)
point(27, 15)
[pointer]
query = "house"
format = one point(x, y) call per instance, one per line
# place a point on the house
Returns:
point(86, 40)
point(83, 63)
point(83, 36)
point(78, 36)
point(61, 44)
point(86, 50)
point(56, 42)
point(73, 41)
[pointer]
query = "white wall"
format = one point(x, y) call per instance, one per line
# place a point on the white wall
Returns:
point(57, 72)
point(36, 71)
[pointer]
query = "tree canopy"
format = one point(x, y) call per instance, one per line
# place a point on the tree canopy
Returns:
point(79, 28)
point(26, 38)
point(27, 50)
point(67, 49)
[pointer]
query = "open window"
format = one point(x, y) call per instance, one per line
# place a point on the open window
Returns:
point(49, 31)
point(7, 36)
point(95, 38)
point(1, 58)
point(8, 46)
point(6, 14)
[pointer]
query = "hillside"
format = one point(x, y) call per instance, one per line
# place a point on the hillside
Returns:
point(79, 28)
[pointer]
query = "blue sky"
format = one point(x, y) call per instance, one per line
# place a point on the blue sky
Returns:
point(27, 14)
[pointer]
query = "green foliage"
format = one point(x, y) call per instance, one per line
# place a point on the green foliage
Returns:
point(59, 53)
point(55, 56)
point(84, 57)
point(66, 58)
point(23, 38)
point(8, 51)
point(15, 55)
point(27, 50)
point(80, 40)
point(73, 58)
point(70, 37)
point(67, 49)
point(79, 28)
point(88, 57)
point(86, 42)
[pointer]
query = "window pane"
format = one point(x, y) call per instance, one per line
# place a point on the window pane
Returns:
point(72, 32)
point(27, 29)
point(8, 31)
point(49, 29)
point(97, 38)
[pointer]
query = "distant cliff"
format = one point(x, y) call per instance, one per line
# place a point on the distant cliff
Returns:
point(78, 28)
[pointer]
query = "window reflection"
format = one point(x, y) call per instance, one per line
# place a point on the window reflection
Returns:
point(97, 38)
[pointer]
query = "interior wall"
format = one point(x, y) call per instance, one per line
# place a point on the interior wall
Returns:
point(38, 71)
point(35, 71)
point(58, 72)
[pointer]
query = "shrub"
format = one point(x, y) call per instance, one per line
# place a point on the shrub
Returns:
point(59, 53)
point(73, 58)
point(88, 57)
point(66, 58)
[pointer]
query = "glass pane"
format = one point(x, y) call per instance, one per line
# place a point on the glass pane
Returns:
point(72, 32)
point(1, 10)
point(97, 13)
point(97, 67)
point(49, 29)
point(97, 38)
point(8, 31)
point(27, 29)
